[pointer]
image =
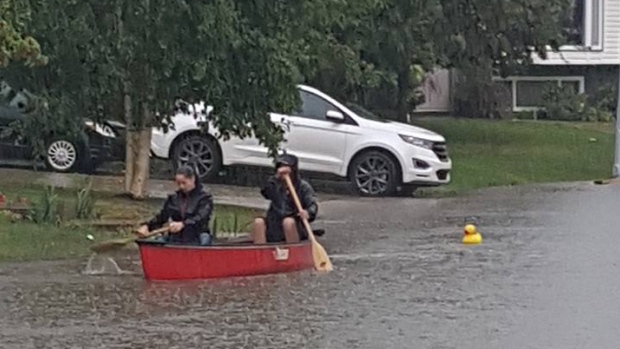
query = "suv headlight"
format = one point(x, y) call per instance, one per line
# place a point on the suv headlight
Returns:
point(419, 142)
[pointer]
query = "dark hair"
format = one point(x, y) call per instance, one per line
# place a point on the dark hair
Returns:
point(186, 171)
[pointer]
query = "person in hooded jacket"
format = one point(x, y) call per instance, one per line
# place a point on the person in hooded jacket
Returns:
point(283, 223)
point(188, 211)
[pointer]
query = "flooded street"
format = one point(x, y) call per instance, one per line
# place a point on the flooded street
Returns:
point(546, 276)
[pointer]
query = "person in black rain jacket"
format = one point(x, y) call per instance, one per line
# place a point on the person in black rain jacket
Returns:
point(188, 211)
point(283, 223)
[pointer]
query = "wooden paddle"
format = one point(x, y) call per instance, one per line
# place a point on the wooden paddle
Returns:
point(321, 259)
point(109, 245)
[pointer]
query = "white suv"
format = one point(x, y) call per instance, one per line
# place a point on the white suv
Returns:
point(376, 155)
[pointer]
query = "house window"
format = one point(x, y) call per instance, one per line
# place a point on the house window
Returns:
point(573, 25)
point(583, 24)
point(596, 24)
point(527, 91)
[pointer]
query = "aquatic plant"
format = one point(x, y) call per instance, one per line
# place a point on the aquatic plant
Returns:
point(46, 210)
point(85, 203)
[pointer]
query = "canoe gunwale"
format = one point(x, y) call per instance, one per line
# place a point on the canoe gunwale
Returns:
point(219, 246)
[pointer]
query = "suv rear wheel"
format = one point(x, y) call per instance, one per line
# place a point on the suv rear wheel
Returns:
point(374, 173)
point(200, 152)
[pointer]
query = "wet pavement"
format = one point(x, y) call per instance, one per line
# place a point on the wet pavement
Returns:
point(546, 276)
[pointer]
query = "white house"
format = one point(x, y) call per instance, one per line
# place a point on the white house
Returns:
point(595, 35)
point(590, 62)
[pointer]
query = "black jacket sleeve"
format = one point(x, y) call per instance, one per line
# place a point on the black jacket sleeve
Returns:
point(203, 212)
point(162, 217)
point(308, 200)
point(270, 189)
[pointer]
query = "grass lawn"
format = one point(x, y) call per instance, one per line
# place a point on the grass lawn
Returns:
point(496, 153)
point(25, 240)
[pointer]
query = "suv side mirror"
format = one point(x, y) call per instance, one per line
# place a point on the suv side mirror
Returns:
point(335, 116)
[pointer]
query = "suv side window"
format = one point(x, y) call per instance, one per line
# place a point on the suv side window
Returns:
point(314, 107)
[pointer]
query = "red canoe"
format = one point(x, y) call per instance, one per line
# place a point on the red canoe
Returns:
point(180, 262)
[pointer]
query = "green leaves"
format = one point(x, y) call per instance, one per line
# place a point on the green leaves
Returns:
point(14, 46)
point(502, 33)
point(245, 57)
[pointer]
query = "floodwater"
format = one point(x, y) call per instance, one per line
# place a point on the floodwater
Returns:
point(546, 276)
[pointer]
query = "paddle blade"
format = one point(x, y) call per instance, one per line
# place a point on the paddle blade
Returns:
point(321, 259)
point(111, 245)
point(118, 243)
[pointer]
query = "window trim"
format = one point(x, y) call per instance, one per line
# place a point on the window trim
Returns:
point(514, 79)
point(347, 118)
point(600, 22)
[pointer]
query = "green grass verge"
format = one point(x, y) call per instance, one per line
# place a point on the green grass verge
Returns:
point(25, 240)
point(498, 153)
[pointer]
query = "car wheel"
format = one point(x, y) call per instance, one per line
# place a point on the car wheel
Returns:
point(200, 152)
point(62, 155)
point(374, 173)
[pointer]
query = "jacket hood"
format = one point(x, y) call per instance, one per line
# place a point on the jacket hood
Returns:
point(289, 160)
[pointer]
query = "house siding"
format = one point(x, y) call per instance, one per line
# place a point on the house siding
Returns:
point(610, 53)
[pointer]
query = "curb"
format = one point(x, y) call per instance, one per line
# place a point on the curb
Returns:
point(157, 189)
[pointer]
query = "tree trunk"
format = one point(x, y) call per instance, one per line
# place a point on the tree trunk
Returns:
point(131, 149)
point(130, 155)
point(141, 164)
point(137, 160)
point(403, 94)
point(137, 163)
point(138, 148)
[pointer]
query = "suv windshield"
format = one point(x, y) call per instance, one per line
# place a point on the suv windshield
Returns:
point(361, 111)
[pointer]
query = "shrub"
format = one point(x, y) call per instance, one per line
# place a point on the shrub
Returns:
point(606, 99)
point(598, 114)
point(228, 227)
point(563, 103)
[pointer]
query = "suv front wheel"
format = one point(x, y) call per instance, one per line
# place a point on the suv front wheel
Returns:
point(200, 152)
point(62, 155)
point(374, 173)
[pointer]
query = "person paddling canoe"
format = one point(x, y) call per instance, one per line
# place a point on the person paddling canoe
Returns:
point(283, 222)
point(188, 210)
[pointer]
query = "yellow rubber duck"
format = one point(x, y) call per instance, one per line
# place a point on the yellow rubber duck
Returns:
point(471, 236)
